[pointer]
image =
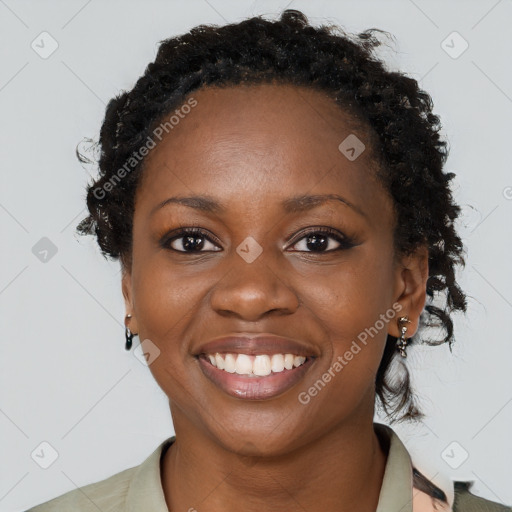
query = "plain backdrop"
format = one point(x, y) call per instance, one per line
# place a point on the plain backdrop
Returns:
point(66, 379)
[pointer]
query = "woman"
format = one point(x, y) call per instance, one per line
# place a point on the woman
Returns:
point(277, 201)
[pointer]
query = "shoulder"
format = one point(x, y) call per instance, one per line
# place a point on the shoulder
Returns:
point(465, 501)
point(106, 495)
point(135, 488)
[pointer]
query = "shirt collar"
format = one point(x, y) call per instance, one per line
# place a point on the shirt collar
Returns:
point(145, 490)
point(396, 491)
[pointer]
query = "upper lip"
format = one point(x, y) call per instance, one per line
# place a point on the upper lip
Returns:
point(251, 344)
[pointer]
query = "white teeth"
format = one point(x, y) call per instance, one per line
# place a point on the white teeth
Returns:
point(277, 363)
point(229, 363)
point(288, 361)
point(298, 360)
point(220, 361)
point(243, 365)
point(259, 365)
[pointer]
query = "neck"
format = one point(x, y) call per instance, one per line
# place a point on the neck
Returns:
point(342, 470)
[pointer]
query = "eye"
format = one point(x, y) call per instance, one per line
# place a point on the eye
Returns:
point(316, 240)
point(323, 240)
point(188, 240)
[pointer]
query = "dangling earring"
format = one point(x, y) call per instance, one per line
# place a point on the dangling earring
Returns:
point(127, 333)
point(401, 342)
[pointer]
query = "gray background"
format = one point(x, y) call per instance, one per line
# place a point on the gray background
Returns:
point(65, 376)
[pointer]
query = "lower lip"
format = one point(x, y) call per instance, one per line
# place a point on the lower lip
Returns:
point(254, 388)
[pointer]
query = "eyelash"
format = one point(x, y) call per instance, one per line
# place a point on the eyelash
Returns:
point(345, 242)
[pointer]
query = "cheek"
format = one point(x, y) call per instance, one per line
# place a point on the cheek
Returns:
point(354, 293)
point(164, 305)
point(168, 302)
point(354, 307)
point(165, 309)
point(162, 297)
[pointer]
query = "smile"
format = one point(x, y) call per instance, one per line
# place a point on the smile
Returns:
point(254, 377)
point(255, 365)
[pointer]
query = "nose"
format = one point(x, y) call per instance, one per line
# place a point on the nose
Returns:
point(249, 291)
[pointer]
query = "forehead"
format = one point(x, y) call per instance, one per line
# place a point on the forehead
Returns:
point(262, 142)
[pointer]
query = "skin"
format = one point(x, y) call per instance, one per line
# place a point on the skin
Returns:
point(252, 147)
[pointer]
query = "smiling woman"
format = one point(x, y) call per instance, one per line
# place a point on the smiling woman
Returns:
point(282, 241)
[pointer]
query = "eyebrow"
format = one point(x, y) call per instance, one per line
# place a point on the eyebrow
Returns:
point(291, 205)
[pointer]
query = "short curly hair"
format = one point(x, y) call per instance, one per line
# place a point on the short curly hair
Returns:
point(397, 115)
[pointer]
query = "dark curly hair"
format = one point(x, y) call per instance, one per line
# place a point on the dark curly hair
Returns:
point(395, 112)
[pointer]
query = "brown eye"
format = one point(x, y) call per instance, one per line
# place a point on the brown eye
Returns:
point(324, 240)
point(189, 240)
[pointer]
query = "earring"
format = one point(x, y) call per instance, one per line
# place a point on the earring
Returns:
point(401, 342)
point(127, 333)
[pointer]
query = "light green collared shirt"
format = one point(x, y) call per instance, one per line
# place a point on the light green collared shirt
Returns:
point(139, 489)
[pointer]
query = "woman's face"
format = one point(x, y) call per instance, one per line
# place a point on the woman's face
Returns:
point(263, 264)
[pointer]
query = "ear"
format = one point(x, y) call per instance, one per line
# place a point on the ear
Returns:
point(410, 290)
point(126, 286)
